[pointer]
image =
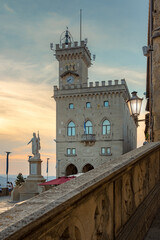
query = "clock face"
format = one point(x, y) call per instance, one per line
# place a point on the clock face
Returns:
point(70, 79)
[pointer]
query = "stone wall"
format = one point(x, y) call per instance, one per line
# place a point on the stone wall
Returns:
point(117, 200)
point(156, 70)
point(153, 72)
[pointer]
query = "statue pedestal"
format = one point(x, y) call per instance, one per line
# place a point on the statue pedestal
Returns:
point(30, 187)
point(35, 169)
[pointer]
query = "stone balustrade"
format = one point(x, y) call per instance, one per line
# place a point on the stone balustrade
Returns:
point(117, 200)
point(88, 137)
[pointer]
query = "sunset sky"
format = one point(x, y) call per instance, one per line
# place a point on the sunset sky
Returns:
point(116, 31)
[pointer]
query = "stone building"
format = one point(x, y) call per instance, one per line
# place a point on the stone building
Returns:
point(93, 123)
point(152, 52)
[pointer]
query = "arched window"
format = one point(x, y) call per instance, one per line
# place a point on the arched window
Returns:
point(88, 129)
point(71, 106)
point(88, 105)
point(71, 129)
point(106, 127)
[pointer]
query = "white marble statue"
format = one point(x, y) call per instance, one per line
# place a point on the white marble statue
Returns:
point(35, 144)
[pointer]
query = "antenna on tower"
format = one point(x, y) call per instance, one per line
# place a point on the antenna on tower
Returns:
point(80, 25)
point(51, 46)
point(85, 41)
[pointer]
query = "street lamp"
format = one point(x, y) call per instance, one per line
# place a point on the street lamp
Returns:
point(134, 104)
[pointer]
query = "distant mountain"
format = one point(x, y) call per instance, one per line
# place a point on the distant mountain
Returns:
point(12, 178)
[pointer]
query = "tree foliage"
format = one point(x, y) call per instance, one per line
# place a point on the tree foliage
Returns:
point(19, 179)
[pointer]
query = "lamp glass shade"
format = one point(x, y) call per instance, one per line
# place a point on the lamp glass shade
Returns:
point(135, 104)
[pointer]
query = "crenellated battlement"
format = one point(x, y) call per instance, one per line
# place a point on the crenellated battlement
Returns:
point(72, 46)
point(96, 88)
point(103, 83)
point(92, 85)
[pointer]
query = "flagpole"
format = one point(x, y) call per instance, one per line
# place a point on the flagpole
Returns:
point(7, 165)
point(47, 168)
point(80, 26)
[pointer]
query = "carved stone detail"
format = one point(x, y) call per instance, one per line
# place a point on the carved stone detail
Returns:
point(101, 218)
point(139, 178)
point(128, 197)
point(69, 229)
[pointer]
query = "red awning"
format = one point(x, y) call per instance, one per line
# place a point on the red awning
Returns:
point(57, 181)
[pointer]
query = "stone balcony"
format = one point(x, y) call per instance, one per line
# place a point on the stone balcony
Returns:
point(88, 139)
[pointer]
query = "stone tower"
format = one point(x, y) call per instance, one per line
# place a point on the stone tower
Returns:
point(93, 124)
point(74, 62)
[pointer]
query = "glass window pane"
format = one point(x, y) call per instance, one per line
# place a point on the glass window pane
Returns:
point(106, 122)
point(106, 104)
point(108, 129)
point(71, 106)
point(108, 150)
point(88, 124)
point(69, 131)
point(71, 124)
point(73, 131)
point(68, 151)
point(90, 130)
point(104, 130)
point(73, 151)
point(103, 150)
point(88, 105)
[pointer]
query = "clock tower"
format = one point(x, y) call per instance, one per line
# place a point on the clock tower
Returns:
point(74, 61)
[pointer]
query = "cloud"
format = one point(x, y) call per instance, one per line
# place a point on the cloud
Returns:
point(26, 107)
point(101, 72)
point(8, 9)
point(15, 70)
point(25, 101)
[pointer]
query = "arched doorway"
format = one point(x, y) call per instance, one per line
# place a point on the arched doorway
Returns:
point(71, 169)
point(87, 168)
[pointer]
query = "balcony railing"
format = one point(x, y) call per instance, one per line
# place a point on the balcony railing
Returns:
point(88, 137)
